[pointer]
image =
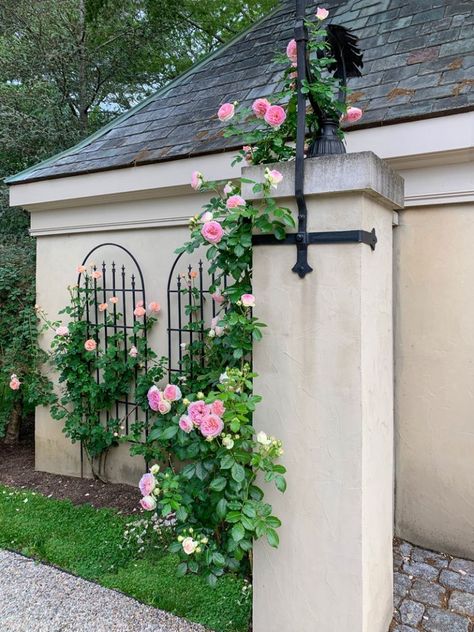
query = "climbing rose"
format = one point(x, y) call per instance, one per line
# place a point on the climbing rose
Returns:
point(90, 345)
point(206, 217)
point(14, 382)
point(147, 484)
point(81, 269)
point(103, 307)
point(274, 177)
point(62, 331)
point(259, 107)
point(228, 188)
point(164, 407)
point(211, 426)
point(96, 274)
point(352, 115)
point(263, 438)
point(133, 352)
point(226, 112)
point(235, 200)
point(322, 14)
point(114, 300)
point(248, 300)
point(291, 50)
point(212, 232)
point(189, 545)
point(185, 424)
point(197, 411)
point(139, 311)
point(154, 307)
point(172, 393)
point(154, 397)
point(275, 115)
point(148, 503)
point(218, 408)
point(196, 180)
point(217, 297)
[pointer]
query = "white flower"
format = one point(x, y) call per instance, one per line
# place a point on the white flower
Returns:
point(189, 545)
point(223, 378)
point(206, 217)
point(133, 352)
point(228, 443)
point(228, 189)
point(263, 438)
point(211, 333)
point(155, 468)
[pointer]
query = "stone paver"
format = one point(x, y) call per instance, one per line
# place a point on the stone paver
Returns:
point(433, 592)
point(38, 598)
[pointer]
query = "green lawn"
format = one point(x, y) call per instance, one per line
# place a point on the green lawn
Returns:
point(86, 541)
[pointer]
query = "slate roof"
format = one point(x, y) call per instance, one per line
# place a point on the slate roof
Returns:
point(419, 62)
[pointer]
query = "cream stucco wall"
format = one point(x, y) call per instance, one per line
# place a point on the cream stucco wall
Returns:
point(434, 378)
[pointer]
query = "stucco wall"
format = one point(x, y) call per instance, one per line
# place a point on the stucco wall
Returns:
point(434, 377)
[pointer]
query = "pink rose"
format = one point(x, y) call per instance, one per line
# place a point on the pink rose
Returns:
point(275, 115)
point(139, 311)
point(133, 352)
point(154, 307)
point(234, 201)
point(259, 107)
point(114, 300)
point(291, 50)
point(197, 411)
point(212, 232)
point(248, 300)
point(206, 217)
point(147, 484)
point(154, 397)
point(172, 393)
point(196, 180)
point(217, 297)
point(189, 545)
point(14, 382)
point(148, 503)
point(211, 426)
point(352, 115)
point(90, 345)
point(62, 331)
point(103, 307)
point(164, 407)
point(228, 188)
point(274, 177)
point(226, 112)
point(322, 14)
point(96, 274)
point(218, 408)
point(185, 424)
point(81, 269)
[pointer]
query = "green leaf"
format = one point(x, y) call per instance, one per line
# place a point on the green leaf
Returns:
point(221, 508)
point(272, 537)
point(182, 569)
point(280, 482)
point(227, 462)
point(218, 484)
point(238, 473)
point(249, 510)
point(181, 514)
point(218, 559)
point(169, 433)
point(238, 532)
point(211, 580)
point(154, 434)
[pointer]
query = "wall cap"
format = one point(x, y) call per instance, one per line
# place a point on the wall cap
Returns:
point(362, 172)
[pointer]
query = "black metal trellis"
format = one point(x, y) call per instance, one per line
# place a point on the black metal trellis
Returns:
point(129, 289)
point(348, 62)
point(190, 310)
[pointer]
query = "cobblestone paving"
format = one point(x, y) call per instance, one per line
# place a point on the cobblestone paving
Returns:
point(433, 592)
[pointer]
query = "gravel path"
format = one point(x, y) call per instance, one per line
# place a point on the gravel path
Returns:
point(38, 598)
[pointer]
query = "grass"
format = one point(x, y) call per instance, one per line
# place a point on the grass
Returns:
point(87, 542)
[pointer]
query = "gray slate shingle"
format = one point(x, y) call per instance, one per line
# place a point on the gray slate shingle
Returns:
point(419, 62)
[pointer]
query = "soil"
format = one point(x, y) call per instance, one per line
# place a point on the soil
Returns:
point(17, 469)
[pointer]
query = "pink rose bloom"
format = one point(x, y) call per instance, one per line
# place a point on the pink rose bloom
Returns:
point(103, 307)
point(81, 269)
point(148, 503)
point(154, 307)
point(90, 345)
point(322, 14)
point(133, 352)
point(164, 407)
point(234, 201)
point(274, 177)
point(96, 274)
point(226, 112)
point(172, 393)
point(206, 217)
point(186, 424)
point(212, 232)
point(189, 545)
point(14, 382)
point(114, 300)
point(248, 300)
point(275, 115)
point(62, 331)
point(196, 180)
point(217, 297)
point(197, 411)
point(228, 188)
point(154, 397)
point(259, 107)
point(147, 484)
point(139, 311)
point(218, 408)
point(352, 115)
point(211, 426)
point(291, 50)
